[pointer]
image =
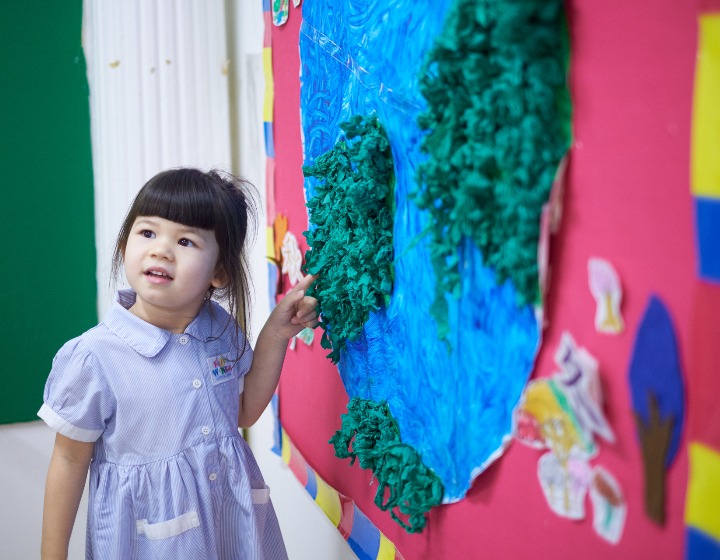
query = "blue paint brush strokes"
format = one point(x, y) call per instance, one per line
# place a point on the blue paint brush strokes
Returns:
point(452, 399)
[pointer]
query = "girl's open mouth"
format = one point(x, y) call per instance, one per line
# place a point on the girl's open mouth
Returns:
point(158, 274)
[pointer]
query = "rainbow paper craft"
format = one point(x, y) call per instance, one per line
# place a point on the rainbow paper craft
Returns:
point(268, 110)
point(703, 492)
point(365, 540)
point(705, 163)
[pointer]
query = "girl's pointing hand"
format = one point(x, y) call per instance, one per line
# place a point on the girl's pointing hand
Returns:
point(295, 311)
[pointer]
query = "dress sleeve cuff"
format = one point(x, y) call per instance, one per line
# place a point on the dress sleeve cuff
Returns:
point(64, 427)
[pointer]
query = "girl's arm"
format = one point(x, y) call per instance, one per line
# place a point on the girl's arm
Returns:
point(294, 312)
point(63, 489)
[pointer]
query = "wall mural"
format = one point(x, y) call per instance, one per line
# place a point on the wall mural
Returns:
point(434, 142)
point(425, 205)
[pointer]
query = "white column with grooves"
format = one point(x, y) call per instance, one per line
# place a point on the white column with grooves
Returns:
point(159, 98)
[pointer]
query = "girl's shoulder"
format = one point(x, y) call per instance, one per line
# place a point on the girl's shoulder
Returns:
point(78, 349)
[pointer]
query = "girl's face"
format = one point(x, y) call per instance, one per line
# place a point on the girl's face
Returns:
point(171, 267)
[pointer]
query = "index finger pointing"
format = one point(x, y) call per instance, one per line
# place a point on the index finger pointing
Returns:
point(305, 283)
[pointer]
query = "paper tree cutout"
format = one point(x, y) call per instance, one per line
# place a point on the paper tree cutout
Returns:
point(657, 392)
point(607, 291)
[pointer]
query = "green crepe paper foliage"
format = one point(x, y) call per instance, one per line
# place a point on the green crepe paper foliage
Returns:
point(351, 244)
point(497, 127)
point(369, 433)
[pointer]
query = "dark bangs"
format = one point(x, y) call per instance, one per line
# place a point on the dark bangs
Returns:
point(184, 196)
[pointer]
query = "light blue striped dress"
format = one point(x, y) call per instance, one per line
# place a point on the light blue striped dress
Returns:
point(171, 477)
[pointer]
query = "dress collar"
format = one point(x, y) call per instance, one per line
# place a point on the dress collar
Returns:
point(147, 339)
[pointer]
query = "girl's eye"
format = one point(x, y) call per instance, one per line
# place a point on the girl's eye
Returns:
point(185, 242)
point(147, 233)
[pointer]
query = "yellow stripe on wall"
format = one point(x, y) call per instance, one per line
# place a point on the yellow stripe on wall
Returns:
point(270, 242)
point(705, 162)
point(269, 85)
point(328, 500)
point(386, 550)
point(285, 448)
point(702, 509)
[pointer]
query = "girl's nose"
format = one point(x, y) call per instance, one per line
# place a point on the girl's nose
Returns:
point(161, 249)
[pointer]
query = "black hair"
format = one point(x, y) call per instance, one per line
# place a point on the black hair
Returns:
point(212, 200)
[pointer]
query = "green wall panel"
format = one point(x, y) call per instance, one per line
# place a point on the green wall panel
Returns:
point(47, 262)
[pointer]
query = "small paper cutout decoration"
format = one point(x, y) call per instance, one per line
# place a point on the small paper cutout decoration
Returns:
point(563, 413)
point(307, 336)
point(280, 228)
point(580, 380)
point(275, 237)
point(547, 409)
point(291, 258)
point(609, 507)
point(657, 392)
point(565, 483)
point(607, 291)
point(280, 11)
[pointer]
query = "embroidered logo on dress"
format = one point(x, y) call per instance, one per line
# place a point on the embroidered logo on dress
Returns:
point(221, 369)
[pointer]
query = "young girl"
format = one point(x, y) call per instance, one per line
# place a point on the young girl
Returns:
point(151, 399)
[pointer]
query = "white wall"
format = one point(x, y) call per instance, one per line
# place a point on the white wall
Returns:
point(25, 451)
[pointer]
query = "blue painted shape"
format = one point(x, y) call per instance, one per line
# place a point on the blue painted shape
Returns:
point(707, 230)
point(277, 429)
point(269, 139)
point(364, 538)
point(655, 370)
point(453, 403)
point(311, 485)
point(272, 284)
point(699, 546)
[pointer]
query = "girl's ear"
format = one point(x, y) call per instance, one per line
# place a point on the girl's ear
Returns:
point(220, 279)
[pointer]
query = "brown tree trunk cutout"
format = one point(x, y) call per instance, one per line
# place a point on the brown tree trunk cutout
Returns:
point(655, 440)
